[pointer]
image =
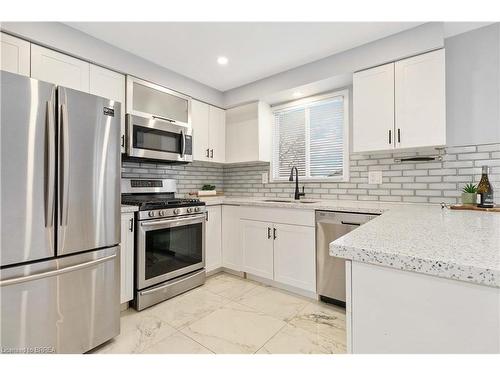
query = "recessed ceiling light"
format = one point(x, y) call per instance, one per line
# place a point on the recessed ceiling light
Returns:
point(297, 94)
point(222, 60)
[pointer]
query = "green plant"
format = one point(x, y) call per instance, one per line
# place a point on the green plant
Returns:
point(208, 187)
point(470, 188)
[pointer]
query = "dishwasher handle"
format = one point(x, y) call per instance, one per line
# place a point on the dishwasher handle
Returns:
point(349, 223)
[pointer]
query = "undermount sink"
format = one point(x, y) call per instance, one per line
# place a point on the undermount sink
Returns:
point(288, 201)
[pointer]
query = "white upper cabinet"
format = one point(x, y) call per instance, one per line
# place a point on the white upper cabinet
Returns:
point(51, 66)
point(14, 55)
point(199, 122)
point(217, 134)
point(421, 101)
point(248, 133)
point(209, 132)
point(401, 104)
point(373, 109)
point(111, 85)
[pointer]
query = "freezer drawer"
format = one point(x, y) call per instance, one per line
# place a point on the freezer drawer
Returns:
point(68, 305)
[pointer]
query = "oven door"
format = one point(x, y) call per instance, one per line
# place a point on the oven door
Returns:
point(168, 248)
point(158, 139)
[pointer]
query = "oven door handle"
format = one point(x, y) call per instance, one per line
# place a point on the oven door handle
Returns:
point(180, 220)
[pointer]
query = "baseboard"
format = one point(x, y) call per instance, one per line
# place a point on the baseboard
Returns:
point(292, 289)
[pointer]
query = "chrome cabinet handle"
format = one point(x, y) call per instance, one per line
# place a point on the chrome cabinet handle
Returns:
point(212, 153)
point(390, 136)
point(131, 226)
point(51, 155)
point(65, 165)
point(43, 275)
point(274, 234)
point(349, 223)
point(208, 152)
point(123, 140)
point(268, 233)
point(399, 135)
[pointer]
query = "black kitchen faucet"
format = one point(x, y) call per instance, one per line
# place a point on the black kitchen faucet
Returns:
point(297, 194)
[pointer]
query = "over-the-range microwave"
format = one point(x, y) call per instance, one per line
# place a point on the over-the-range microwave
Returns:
point(158, 122)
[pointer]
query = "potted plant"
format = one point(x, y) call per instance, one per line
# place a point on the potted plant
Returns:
point(469, 193)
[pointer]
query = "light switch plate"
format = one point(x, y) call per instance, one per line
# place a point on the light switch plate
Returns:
point(265, 178)
point(375, 177)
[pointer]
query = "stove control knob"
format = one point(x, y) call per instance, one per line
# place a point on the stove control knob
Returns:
point(197, 209)
point(189, 210)
point(151, 214)
point(177, 211)
point(161, 213)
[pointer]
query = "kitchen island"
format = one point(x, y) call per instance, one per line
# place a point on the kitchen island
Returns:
point(422, 279)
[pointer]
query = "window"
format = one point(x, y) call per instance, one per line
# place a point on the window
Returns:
point(312, 135)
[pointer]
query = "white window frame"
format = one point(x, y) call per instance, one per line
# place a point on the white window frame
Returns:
point(346, 141)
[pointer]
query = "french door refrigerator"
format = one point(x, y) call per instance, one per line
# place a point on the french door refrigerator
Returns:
point(60, 218)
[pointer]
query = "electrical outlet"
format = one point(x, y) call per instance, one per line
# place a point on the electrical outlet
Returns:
point(265, 178)
point(375, 177)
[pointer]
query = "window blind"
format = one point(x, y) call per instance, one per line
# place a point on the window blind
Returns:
point(310, 137)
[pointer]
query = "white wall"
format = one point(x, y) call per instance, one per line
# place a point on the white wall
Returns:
point(473, 87)
point(63, 38)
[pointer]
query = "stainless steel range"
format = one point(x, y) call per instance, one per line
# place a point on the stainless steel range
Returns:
point(169, 240)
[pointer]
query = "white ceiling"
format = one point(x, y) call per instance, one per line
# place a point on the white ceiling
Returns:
point(255, 49)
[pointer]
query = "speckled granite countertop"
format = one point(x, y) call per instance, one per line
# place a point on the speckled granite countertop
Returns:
point(459, 245)
point(128, 208)
point(311, 204)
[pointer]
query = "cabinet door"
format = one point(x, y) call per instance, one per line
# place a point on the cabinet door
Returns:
point(232, 256)
point(199, 123)
point(14, 55)
point(127, 258)
point(295, 256)
point(420, 101)
point(373, 109)
point(111, 85)
point(54, 67)
point(257, 245)
point(213, 243)
point(217, 134)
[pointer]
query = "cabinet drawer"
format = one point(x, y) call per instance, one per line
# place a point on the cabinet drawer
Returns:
point(279, 215)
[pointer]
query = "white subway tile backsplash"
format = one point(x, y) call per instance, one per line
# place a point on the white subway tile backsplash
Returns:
point(432, 182)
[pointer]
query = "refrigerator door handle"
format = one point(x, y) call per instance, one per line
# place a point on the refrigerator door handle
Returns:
point(43, 275)
point(51, 165)
point(65, 165)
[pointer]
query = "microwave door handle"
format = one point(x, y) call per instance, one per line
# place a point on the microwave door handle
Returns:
point(164, 119)
point(183, 144)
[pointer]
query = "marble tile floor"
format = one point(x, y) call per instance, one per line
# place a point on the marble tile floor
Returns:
point(231, 315)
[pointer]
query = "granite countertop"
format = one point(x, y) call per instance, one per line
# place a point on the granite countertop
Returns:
point(459, 245)
point(128, 208)
point(311, 204)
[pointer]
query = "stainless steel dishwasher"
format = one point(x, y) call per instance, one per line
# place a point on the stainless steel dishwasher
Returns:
point(330, 271)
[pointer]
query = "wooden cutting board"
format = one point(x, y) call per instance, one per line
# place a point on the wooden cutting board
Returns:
point(474, 208)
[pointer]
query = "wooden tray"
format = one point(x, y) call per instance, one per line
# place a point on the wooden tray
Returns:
point(474, 208)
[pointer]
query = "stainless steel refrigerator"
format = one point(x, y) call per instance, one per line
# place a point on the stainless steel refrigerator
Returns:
point(60, 218)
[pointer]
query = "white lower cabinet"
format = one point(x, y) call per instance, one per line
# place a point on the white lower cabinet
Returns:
point(232, 255)
point(127, 258)
point(257, 245)
point(213, 240)
point(295, 256)
point(280, 252)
